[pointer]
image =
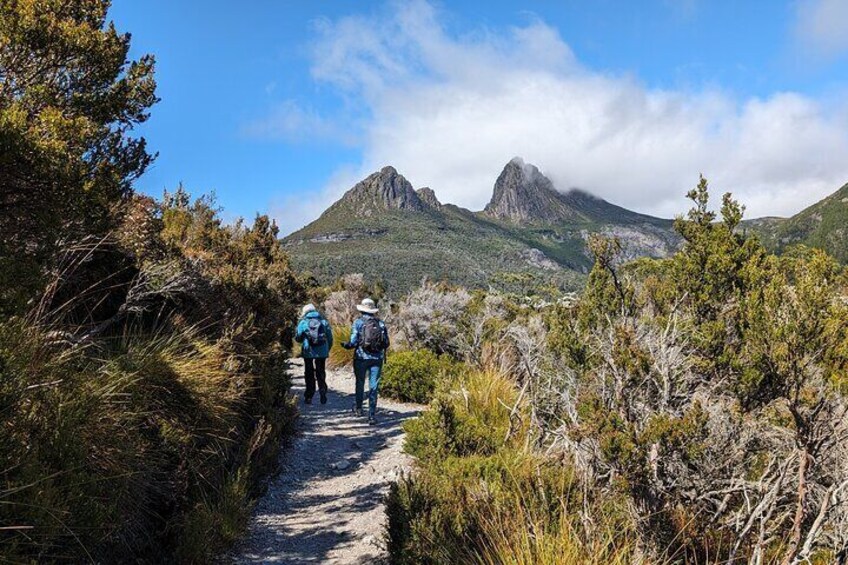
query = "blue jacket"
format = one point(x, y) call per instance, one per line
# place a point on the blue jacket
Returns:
point(355, 338)
point(318, 351)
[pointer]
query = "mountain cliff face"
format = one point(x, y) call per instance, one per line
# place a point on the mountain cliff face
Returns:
point(389, 231)
point(528, 200)
point(522, 194)
point(385, 229)
point(428, 197)
point(382, 190)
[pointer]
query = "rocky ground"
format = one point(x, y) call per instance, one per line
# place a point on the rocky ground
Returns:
point(326, 505)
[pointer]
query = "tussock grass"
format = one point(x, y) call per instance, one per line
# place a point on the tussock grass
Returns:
point(481, 496)
point(106, 446)
point(339, 356)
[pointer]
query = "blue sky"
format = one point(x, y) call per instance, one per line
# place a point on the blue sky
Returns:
point(279, 106)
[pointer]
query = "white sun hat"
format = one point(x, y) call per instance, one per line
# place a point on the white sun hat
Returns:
point(307, 309)
point(367, 306)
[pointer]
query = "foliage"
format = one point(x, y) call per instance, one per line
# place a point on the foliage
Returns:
point(697, 403)
point(142, 388)
point(709, 388)
point(474, 328)
point(429, 317)
point(69, 99)
point(413, 376)
point(141, 412)
point(339, 356)
point(471, 418)
point(478, 493)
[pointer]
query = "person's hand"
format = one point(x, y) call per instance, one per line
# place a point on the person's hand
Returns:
point(346, 345)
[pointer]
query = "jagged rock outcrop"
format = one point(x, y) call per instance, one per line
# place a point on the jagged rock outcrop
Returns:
point(385, 189)
point(388, 231)
point(523, 194)
point(428, 197)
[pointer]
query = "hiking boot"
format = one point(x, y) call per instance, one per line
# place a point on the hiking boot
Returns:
point(323, 398)
point(357, 412)
point(372, 421)
point(307, 400)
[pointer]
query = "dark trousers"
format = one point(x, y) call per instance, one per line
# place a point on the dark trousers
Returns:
point(315, 369)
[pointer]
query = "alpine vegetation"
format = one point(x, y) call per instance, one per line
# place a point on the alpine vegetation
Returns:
point(142, 357)
point(693, 407)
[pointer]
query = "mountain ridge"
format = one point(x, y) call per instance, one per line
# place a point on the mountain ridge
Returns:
point(385, 227)
point(389, 231)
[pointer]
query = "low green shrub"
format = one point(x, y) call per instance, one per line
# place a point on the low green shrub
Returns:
point(413, 376)
point(471, 419)
point(480, 496)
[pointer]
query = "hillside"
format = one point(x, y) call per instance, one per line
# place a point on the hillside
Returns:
point(387, 230)
point(823, 225)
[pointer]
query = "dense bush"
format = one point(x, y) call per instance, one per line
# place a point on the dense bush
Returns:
point(144, 396)
point(698, 402)
point(480, 497)
point(708, 384)
point(413, 376)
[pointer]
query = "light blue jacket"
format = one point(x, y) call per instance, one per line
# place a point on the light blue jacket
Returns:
point(318, 351)
point(356, 336)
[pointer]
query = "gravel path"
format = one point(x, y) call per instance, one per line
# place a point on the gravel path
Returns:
point(326, 505)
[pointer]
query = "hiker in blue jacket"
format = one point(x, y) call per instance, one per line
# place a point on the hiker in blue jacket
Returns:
point(370, 338)
point(316, 337)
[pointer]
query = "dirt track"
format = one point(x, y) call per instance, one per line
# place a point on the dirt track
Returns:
point(326, 505)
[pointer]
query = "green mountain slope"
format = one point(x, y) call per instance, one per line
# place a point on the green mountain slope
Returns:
point(388, 231)
point(823, 225)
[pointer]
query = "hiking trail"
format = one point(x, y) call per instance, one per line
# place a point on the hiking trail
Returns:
point(326, 503)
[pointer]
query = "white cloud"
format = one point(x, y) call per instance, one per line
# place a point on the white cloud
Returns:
point(289, 121)
point(449, 111)
point(822, 24)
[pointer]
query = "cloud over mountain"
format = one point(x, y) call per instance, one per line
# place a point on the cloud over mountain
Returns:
point(448, 109)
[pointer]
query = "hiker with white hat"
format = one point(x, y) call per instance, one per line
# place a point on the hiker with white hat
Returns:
point(316, 336)
point(370, 338)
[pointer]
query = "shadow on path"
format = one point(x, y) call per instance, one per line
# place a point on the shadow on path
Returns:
point(326, 505)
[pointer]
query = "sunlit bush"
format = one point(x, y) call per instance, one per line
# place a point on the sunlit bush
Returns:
point(413, 376)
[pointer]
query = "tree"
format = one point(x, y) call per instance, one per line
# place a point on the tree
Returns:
point(69, 100)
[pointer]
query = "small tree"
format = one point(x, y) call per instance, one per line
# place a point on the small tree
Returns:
point(69, 99)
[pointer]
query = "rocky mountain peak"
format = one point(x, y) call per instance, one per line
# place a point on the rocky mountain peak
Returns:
point(523, 194)
point(427, 196)
point(384, 189)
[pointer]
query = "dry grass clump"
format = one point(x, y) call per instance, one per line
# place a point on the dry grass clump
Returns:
point(482, 496)
point(102, 443)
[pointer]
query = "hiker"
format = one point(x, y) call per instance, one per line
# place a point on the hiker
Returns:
point(370, 339)
point(316, 337)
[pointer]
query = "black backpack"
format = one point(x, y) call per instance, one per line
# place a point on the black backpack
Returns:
point(373, 340)
point(315, 333)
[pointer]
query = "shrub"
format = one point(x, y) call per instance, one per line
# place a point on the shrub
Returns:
point(413, 376)
point(472, 418)
point(481, 497)
point(154, 423)
point(148, 377)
